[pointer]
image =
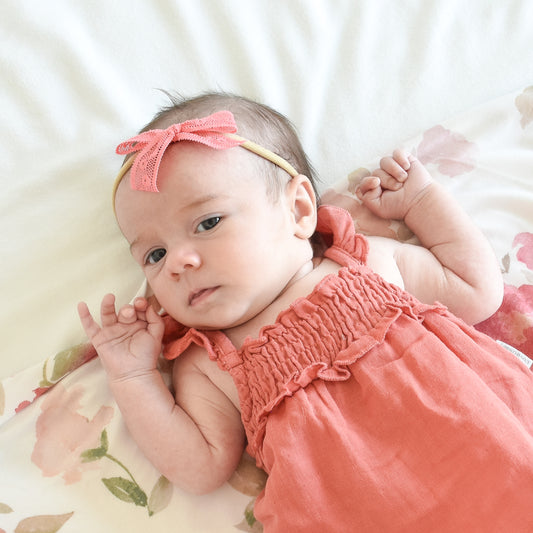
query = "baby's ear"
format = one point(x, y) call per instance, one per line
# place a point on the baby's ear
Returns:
point(303, 206)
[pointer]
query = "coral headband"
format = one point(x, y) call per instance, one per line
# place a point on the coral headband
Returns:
point(216, 131)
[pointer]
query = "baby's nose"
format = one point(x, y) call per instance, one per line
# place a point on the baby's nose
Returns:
point(181, 259)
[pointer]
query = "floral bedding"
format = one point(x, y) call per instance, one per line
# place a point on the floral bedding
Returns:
point(67, 462)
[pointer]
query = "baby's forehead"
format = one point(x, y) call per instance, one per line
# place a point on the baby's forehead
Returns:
point(191, 169)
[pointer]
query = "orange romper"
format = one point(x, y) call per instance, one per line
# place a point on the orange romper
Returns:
point(372, 412)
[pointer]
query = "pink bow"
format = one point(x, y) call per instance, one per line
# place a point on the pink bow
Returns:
point(152, 144)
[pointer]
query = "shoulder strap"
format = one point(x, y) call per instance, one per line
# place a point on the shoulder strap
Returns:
point(345, 244)
point(218, 346)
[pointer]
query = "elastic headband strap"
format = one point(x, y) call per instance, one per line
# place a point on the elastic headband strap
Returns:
point(265, 153)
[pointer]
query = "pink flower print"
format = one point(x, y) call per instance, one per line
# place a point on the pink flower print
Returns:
point(525, 252)
point(450, 151)
point(513, 322)
point(39, 391)
point(63, 433)
point(524, 104)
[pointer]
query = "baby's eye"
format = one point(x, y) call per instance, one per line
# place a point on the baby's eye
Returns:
point(156, 256)
point(207, 224)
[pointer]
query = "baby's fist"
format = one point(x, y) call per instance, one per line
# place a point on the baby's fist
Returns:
point(392, 189)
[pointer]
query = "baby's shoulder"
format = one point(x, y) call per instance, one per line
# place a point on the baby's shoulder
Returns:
point(381, 259)
point(193, 369)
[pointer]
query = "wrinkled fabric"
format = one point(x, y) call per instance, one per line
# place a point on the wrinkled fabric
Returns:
point(371, 411)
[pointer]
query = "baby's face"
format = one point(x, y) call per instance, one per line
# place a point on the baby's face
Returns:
point(215, 250)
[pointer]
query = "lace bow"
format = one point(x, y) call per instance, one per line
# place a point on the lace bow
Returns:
point(152, 144)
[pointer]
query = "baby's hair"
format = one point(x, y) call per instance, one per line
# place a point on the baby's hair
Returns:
point(255, 121)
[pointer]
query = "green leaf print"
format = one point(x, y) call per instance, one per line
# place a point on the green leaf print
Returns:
point(160, 496)
point(92, 455)
point(250, 524)
point(42, 523)
point(249, 514)
point(96, 453)
point(126, 490)
point(64, 362)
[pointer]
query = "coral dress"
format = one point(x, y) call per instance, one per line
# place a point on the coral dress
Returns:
point(373, 412)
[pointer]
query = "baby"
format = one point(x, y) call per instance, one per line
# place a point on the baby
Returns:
point(371, 406)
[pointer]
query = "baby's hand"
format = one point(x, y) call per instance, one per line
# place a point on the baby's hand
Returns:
point(394, 188)
point(128, 343)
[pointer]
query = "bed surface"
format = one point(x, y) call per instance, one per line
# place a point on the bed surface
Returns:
point(451, 81)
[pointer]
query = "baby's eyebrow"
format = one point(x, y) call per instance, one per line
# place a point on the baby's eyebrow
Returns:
point(205, 199)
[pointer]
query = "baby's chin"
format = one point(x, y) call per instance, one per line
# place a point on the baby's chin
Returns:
point(212, 325)
point(215, 313)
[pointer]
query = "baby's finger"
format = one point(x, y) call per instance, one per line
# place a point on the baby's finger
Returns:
point(393, 168)
point(402, 158)
point(127, 315)
point(367, 184)
point(137, 310)
point(88, 323)
point(388, 182)
point(140, 304)
point(369, 189)
point(108, 315)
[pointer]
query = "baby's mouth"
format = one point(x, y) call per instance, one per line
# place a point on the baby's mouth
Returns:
point(198, 296)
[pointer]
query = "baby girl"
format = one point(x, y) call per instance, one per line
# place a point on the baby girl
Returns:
point(345, 364)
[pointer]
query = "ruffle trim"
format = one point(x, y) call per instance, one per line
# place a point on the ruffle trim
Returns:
point(337, 229)
point(217, 345)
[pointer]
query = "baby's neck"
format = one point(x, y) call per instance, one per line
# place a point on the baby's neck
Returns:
point(300, 284)
point(305, 269)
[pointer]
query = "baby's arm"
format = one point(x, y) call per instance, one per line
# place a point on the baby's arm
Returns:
point(196, 447)
point(456, 264)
